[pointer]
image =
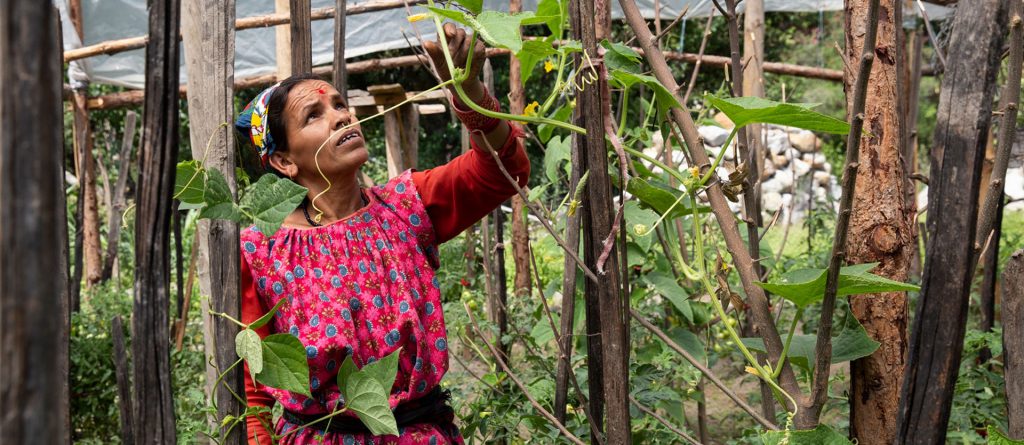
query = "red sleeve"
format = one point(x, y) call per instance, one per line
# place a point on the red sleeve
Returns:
point(252, 309)
point(459, 193)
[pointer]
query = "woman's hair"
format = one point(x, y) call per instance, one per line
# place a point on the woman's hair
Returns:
point(275, 108)
point(248, 158)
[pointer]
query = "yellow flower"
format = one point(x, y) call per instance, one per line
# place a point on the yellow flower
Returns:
point(694, 172)
point(751, 370)
point(531, 110)
point(548, 66)
point(417, 17)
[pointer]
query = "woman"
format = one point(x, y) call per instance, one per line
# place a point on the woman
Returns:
point(357, 265)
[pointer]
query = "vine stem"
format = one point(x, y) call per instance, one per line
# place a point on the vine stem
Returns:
point(759, 312)
point(789, 339)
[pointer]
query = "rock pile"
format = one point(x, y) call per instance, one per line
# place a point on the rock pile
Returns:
point(794, 173)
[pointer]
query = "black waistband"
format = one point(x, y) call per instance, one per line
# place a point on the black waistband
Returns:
point(431, 408)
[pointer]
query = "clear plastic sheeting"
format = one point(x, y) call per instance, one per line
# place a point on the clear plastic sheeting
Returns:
point(105, 20)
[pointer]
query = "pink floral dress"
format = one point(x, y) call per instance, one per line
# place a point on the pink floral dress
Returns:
point(362, 286)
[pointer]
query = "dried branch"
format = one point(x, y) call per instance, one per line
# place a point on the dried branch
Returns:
point(700, 57)
point(823, 346)
point(562, 353)
point(759, 312)
point(541, 215)
point(519, 383)
point(703, 370)
point(1009, 107)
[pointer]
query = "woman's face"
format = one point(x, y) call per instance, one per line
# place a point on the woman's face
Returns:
point(313, 114)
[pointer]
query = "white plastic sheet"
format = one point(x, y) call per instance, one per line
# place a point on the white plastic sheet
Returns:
point(105, 20)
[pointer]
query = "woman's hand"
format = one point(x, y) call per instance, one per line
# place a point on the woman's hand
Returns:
point(459, 47)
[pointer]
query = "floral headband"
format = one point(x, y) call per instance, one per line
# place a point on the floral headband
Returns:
point(252, 121)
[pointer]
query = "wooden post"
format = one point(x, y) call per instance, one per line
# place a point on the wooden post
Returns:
point(33, 375)
point(962, 122)
point(401, 128)
point(121, 370)
point(340, 73)
point(208, 33)
point(153, 407)
point(117, 205)
point(520, 235)
point(283, 42)
point(590, 23)
point(1013, 343)
point(86, 169)
point(881, 225)
point(302, 39)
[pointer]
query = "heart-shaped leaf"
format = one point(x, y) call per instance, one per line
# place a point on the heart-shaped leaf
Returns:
point(755, 110)
point(247, 346)
point(365, 396)
point(558, 152)
point(531, 54)
point(822, 435)
point(851, 343)
point(554, 12)
point(384, 370)
point(664, 98)
point(660, 198)
point(284, 364)
point(189, 183)
point(806, 286)
point(640, 224)
point(270, 200)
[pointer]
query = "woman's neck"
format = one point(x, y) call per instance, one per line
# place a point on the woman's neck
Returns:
point(342, 199)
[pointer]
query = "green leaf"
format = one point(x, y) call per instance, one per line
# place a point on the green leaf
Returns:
point(365, 396)
point(247, 346)
point(451, 14)
point(474, 6)
point(806, 286)
point(554, 12)
point(532, 53)
point(284, 364)
point(558, 151)
point(621, 57)
point(662, 95)
point(640, 224)
point(501, 29)
point(851, 343)
point(668, 288)
point(348, 367)
point(384, 370)
point(270, 200)
point(690, 342)
point(660, 198)
point(822, 435)
point(753, 110)
point(219, 202)
point(268, 316)
point(996, 437)
point(541, 331)
point(562, 114)
point(189, 182)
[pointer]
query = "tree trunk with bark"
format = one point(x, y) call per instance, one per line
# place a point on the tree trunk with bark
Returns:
point(961, 132)
point(881, 227)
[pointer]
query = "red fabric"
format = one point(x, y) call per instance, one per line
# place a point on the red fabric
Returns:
point(456, 195)
point(461, 192)
point(252, 309)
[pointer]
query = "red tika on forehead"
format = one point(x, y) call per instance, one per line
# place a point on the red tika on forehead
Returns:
point(321, 91)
